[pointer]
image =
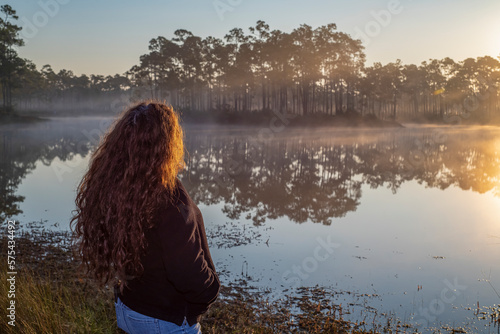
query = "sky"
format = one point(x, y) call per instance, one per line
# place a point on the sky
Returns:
point(108, 36)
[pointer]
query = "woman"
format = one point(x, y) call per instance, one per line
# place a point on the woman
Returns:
point(136, 225)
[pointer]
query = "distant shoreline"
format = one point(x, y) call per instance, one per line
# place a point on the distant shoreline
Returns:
point(268, 118)
point(14, 118)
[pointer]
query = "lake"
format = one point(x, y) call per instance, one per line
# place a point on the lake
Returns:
point(400, 223)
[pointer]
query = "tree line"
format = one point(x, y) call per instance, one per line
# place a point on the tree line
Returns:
point(305, 72)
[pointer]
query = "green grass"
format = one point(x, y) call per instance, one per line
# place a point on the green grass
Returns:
point(49, 307)
point(49, 296)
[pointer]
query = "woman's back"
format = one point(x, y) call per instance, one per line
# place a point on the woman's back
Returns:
point(179, 278)
point(136, 225)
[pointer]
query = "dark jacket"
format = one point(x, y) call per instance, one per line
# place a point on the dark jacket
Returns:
point(179, 278)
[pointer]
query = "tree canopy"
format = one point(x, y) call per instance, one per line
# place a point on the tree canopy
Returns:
point(306, 71)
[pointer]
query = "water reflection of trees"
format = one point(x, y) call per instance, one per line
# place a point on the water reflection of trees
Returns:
point(22, 147)
point(316, 176)
point(11, 174)
point(318, 179)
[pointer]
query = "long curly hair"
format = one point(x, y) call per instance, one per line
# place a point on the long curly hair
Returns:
point(132, 171)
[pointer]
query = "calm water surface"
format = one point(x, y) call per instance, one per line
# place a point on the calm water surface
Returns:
point(401, 222)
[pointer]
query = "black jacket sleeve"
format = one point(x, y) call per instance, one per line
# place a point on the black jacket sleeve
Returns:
point(186, 257)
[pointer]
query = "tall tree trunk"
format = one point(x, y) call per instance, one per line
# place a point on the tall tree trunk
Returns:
point(394, 107)
point(305, 98)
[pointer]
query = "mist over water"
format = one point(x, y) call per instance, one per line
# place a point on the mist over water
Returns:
point(406, 212)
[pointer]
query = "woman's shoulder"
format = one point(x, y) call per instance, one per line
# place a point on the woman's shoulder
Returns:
point(179, 206)
point(180, 192)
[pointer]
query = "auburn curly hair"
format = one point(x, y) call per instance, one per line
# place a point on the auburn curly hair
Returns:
point(132, 171)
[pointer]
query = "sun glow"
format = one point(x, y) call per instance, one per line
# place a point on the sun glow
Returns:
point(495, 41)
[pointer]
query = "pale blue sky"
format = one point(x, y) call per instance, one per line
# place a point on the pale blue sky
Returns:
point(108, 36)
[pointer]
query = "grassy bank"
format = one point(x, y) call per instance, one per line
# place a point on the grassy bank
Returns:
point(50, 297)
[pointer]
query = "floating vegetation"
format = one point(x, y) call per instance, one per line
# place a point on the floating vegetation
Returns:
point(54, 298)
point(233, 234)
point(62, 301)
point(489, 313)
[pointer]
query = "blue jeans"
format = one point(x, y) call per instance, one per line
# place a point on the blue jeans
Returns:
point(136, 323)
